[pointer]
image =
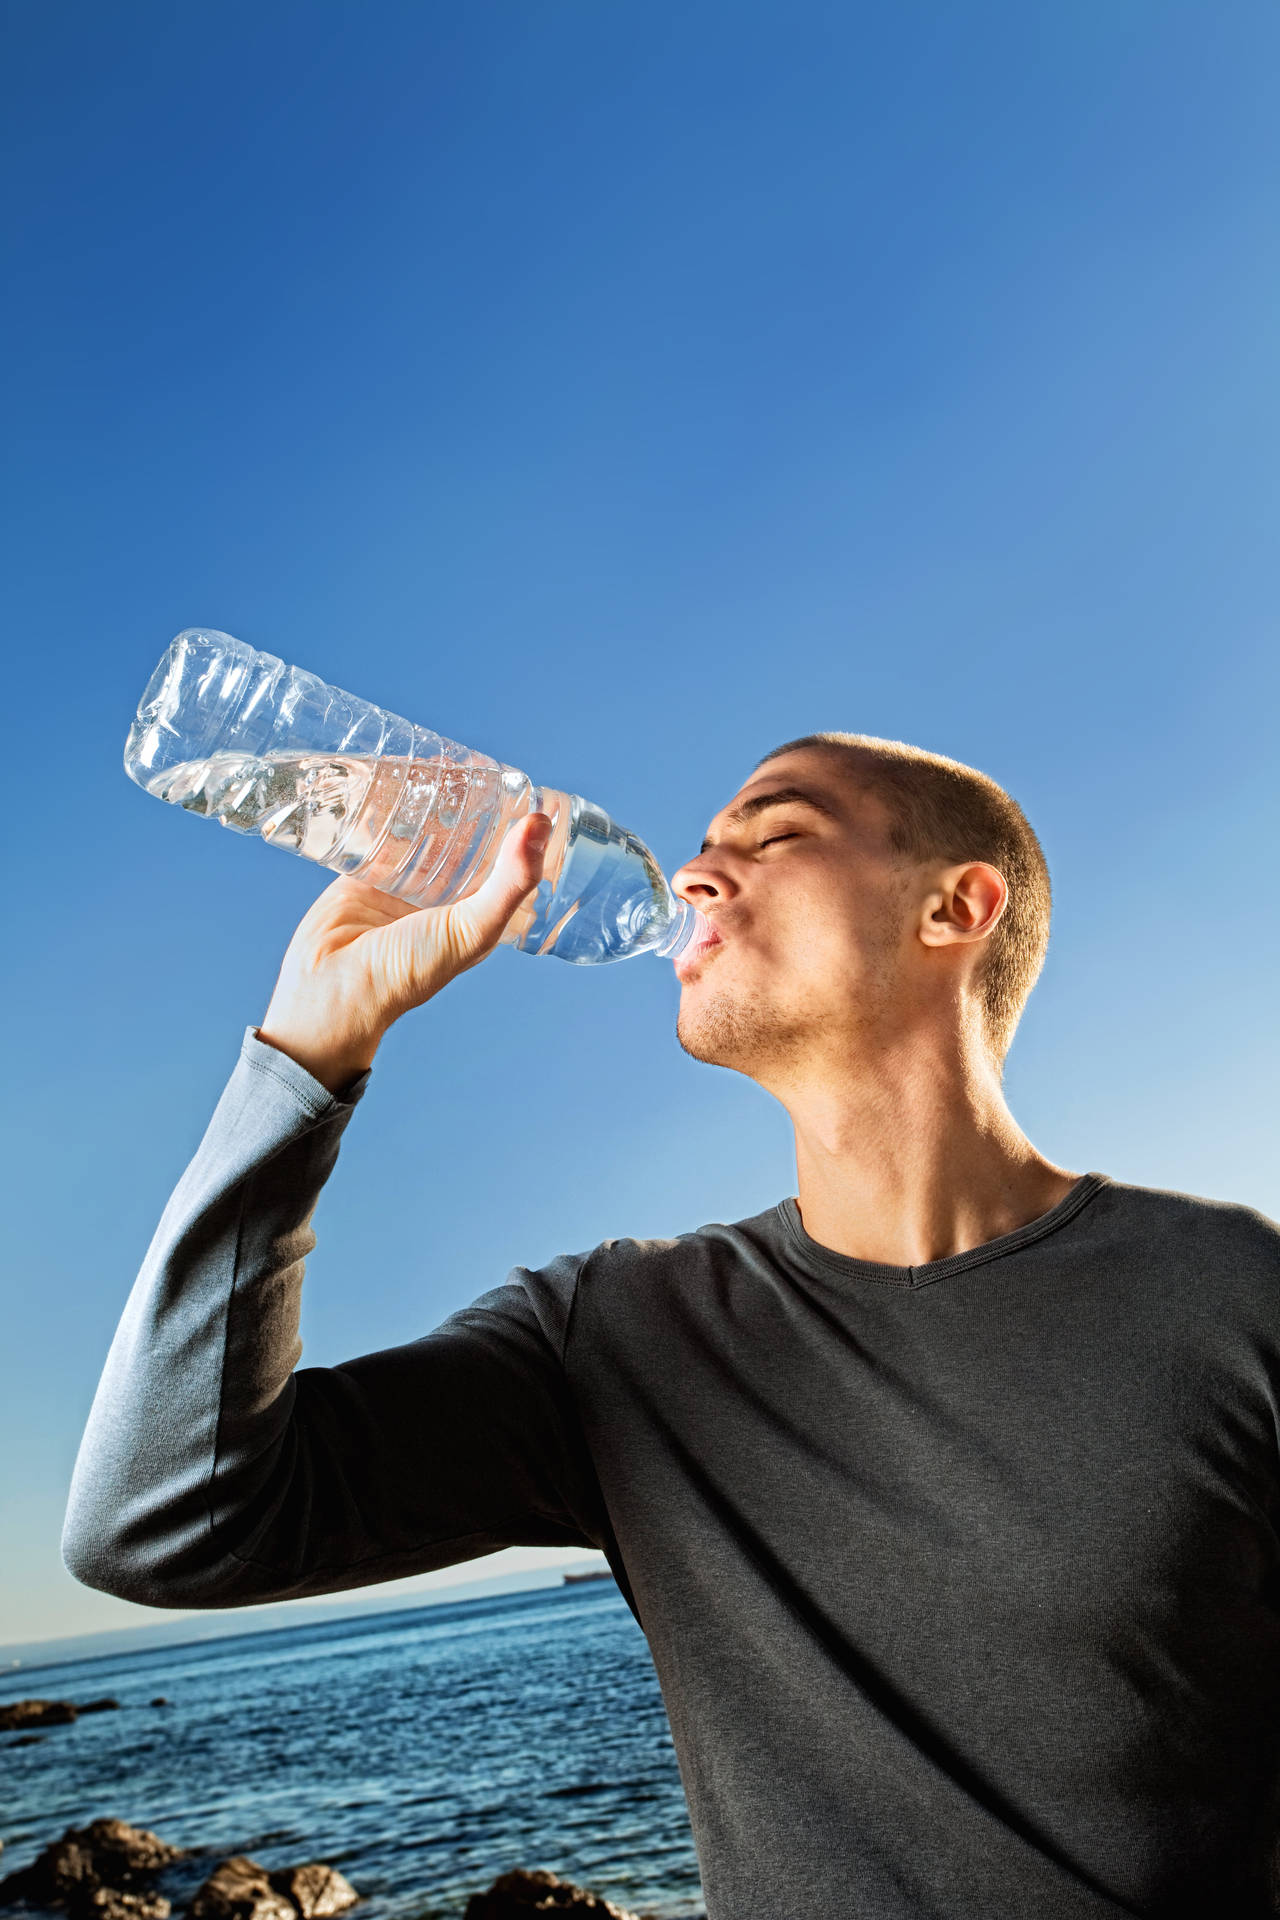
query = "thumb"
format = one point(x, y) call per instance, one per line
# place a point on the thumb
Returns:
point(479, 921)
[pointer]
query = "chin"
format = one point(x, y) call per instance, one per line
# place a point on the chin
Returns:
point(750, 1033)
point(702, 1037)
point(719, 1032)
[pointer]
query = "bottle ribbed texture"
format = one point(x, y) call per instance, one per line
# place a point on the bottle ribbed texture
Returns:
point(234, 734)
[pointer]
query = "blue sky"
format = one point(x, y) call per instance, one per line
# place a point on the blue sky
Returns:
point(623, 391)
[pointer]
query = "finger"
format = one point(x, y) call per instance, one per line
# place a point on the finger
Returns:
point(477, 922)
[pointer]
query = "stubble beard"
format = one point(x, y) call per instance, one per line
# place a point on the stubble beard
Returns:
point(777, 1043)
point(750, 1034)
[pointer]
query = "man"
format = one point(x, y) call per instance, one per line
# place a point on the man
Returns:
point(945, 1493)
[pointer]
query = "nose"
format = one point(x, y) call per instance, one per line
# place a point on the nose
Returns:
point(699, 882)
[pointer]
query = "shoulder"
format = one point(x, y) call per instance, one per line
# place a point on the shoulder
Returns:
point(629, 1285)
point(715, 1241)
point(1191, 1224)
point(552, 1295)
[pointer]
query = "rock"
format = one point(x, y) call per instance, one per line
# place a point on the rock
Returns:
point(159, 1701)
point(241, 1890)
point(122, 1851)
point(92, 1873)
point(315, 1890)
point(103, 1858)
point(35, 1713)
point(513, 1896)
point(64, 1870)
point(46, 1713)
point(110, 1903)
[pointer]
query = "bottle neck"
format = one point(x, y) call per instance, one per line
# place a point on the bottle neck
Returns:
point(684, 929)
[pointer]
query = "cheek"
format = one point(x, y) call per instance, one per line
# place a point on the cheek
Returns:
point(818, 944)
point(840, 934)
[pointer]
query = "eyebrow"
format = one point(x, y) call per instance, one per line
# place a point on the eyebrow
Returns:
point(780, 797)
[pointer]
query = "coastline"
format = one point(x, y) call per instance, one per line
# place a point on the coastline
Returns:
point(421, 1752)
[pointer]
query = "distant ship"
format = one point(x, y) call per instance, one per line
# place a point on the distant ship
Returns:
point(597, 1573)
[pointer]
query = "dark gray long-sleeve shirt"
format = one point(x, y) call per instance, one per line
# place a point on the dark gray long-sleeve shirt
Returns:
point(961, 1581)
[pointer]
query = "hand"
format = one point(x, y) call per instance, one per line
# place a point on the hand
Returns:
point(360, 958)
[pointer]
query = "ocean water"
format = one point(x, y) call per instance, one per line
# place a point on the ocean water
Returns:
point(423, 1752)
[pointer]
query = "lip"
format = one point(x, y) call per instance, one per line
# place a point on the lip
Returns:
point(691, 955)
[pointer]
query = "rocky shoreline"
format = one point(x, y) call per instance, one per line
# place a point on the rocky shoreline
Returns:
point(106, 1871)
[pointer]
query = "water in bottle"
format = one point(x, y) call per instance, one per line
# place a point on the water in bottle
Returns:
point(225, 731)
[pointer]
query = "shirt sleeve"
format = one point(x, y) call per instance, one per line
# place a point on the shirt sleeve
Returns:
point(212, 1474)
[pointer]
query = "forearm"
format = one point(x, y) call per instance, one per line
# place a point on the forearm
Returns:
point(212, 1475)
point(194, 1405)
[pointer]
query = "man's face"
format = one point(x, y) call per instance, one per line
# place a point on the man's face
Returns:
point(815, 914)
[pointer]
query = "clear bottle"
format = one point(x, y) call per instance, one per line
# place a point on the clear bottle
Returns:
point(226, 731)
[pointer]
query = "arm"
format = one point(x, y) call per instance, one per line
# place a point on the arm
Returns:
point(212, 1474)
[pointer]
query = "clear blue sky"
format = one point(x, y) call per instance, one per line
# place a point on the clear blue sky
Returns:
point(623, 390)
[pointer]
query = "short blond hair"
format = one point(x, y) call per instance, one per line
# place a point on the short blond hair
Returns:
point(942, 810)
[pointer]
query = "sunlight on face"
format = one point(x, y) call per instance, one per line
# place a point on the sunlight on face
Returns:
point(797, 878)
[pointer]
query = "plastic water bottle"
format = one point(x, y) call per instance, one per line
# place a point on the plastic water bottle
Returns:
point(235, 734)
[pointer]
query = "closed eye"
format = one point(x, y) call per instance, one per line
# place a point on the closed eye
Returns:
point(777, 836)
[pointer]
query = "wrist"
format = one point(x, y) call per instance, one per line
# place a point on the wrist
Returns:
point(335, 1067)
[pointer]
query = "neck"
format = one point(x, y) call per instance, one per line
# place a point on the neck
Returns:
point(916, 1157)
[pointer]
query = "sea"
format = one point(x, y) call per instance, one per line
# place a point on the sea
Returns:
point(423, 1752)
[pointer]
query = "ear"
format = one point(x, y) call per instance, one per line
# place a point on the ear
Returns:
point(964, 905)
